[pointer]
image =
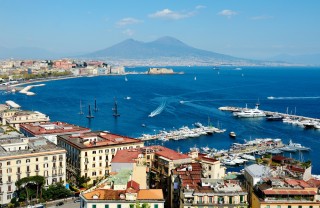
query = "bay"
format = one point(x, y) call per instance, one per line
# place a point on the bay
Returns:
point(297, 88)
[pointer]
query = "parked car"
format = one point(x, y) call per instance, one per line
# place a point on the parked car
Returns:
point(59, 204)
point(77, 200)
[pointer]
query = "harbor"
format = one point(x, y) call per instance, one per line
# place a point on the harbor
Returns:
point(239, 154)
point(183, 133)
point(302, 121)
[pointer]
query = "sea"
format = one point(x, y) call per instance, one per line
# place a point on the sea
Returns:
point(184, 99)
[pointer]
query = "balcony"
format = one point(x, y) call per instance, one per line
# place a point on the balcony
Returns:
point(37, 170)
point(60, 174)
point(28, 171)
point(9, 182)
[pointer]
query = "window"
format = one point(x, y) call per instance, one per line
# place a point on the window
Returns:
point(27, 160)
point(45, 158)
point(299, 206)
point(119, 206)
point(200, 199)
point(210, 199)
point(267, 206)
point(94, 152)
point(241, 199)
point(155, 206)
point(100, 158)
point(18, 162)
point(230, 199)
point(85, 154)
point(106, 206)
point(100, 151)
point(8, 163)
point(289, 206)
point(278, 206)
point(94, 206)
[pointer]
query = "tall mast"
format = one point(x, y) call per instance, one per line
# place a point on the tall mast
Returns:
point(115, 109)
point(89, 116)
point(81, 113)
point(95, 105)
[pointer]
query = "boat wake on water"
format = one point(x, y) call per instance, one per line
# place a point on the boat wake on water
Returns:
point(291, 98)
point(158, 110)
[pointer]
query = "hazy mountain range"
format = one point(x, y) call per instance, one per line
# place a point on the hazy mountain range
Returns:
point(166, 50)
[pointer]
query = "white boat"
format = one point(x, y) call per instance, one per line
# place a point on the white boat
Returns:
point(206, 149)
point(248, 157)
point(232, 134)
point(228, 162)
point(195, 78)
point(250, 113)
point(125, 79)
point(298, 146)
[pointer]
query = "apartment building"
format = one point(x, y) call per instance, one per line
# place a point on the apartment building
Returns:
point(121, 190)
point(27, 157)
point(15, 117)
point(285, 193)
point(50, 130)
point(90, 154)
point(191, 190)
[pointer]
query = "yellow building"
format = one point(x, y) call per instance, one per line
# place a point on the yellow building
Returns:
point(20, 158)
point(89, 154)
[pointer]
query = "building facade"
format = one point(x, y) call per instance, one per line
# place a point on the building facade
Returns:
point(90, 154)
point(27, 157)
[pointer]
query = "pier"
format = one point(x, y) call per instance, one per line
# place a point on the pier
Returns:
point(303, 121)
point(183, 133)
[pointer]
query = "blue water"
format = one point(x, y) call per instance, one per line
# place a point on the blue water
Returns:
point(298, 88)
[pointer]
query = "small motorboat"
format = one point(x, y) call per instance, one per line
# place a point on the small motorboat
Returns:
point(232, 134)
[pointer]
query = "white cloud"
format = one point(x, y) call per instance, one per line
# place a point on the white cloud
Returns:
point(128, 32)
point(262, 17)
point(128, 21)
point(201, 7)
point(171, 15)
point(227, 13)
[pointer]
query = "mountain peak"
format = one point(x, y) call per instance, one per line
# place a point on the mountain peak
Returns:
point(167, 40)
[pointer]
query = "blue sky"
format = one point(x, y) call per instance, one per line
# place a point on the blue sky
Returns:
point(243, 28)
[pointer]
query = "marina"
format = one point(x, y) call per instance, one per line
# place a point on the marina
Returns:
point(239, 154)
point(182, 133)
point(302, 121)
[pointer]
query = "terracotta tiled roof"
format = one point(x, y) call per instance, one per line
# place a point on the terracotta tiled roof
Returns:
point(56, 128)
point(169, 153)
point(104, 194)
point(151, 194)
point(126, 156)
point(289, 192)
point(314, 182)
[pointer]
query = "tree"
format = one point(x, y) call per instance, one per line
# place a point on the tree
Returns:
point(56, 191)
point(31, 186)
point(81, 181)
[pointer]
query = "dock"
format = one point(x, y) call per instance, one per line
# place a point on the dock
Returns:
point(303, 121)
point(182, 133)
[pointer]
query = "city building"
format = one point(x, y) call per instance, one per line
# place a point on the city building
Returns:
point(134, 160)
point(284, 192)
point(190, 189)
point(50, 130)
point(253, 174)
point(27, 157)
point(15, 117)
point(90, 154)
point(121, 190)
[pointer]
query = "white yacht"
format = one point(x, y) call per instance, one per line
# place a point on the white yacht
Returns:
point(250, 113)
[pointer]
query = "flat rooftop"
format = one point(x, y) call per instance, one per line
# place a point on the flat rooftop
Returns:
point(55, 128)
point(167, 153)
point(31, 145)
point(97, 139)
